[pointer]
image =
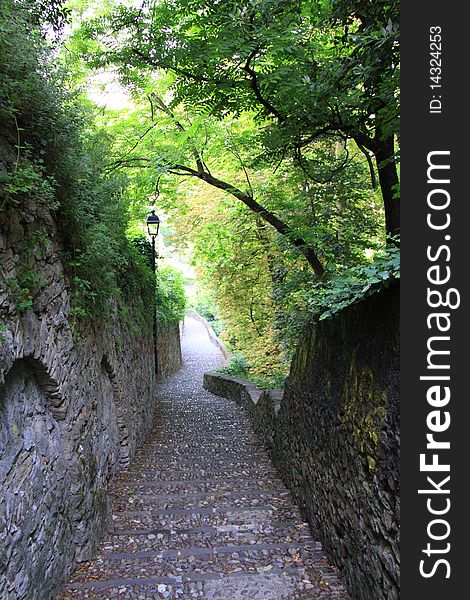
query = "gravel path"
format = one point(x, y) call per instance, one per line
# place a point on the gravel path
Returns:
point(201, 512)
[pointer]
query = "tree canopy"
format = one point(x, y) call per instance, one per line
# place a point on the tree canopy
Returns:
point(265, 130)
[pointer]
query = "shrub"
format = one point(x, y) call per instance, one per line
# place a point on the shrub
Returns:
point(171, 296)
point(58, 163)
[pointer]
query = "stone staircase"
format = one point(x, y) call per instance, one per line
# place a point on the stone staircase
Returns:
point(201, 512)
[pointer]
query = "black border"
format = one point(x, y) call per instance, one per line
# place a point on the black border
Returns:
point(421, 133)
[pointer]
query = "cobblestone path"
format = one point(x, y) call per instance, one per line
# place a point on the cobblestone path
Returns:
point(201, 512)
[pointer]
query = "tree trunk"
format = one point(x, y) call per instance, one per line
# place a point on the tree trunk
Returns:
point(388, 179)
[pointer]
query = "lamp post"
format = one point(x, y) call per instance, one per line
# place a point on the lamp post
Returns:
point(153, 225)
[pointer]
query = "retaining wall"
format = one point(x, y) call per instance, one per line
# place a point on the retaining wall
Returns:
point(73, 410)
point(334, 438)
point(169, 358)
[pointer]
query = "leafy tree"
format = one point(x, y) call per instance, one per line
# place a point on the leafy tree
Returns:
point(260, 283)
point(34, 123)
point(307, 71)
point(259, 280)
point(289, 107)
point(48, 14)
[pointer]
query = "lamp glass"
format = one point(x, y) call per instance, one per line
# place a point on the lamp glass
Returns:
point(153, 224)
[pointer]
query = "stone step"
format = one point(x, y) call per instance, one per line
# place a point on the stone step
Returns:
point(125, 488)
point(210, 551)
point(164, 424)
point(217, 432)
point(201, 414)
point(175, 519)
point(272, 584)
point(201, 458)
point(200, 430)
point(203, 450)
point(220, 440)
point(214, 560)
point(175, 462)
point(233, 423)
point(196, 501)
point(207, 536)
point(190, 474)
point(198, 488)
point(229, 447)
point(217, 435)
point(208, 411)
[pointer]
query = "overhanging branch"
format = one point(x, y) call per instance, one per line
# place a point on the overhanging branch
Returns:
point(256, 89)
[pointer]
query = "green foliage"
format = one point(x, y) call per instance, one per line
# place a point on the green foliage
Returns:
point(171, 296)
point(106, 266)
point(24, 288)
point(142, 246)
point(287, 103)
point(40, 121)
point(170, 284)
point(22, 296)
point(355, 283)
point(47, 14)
point(237, 367)
point(306, 71)
point(281, 101)
point(26, 182)
point(205, 304)
point(253, 281)
point(58, 162)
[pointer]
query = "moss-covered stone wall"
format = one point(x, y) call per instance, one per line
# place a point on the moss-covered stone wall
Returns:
point(334, 438)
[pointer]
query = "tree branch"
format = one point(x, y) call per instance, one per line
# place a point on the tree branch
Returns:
point(255, 87)
point(204, 174)
point(300, 161)
point(281, 227)
point(237, 155)
point(159, 65)
point(162, 106)
point(373, 178)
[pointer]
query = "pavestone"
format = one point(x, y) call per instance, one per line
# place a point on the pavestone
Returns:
point(201, 513)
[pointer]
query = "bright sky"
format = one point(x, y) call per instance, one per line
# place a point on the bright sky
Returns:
point(105, 90)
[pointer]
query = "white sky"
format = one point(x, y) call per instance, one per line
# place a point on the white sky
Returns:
point(105, 90)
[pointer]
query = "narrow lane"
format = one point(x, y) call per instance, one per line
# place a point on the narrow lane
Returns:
point(201, 512)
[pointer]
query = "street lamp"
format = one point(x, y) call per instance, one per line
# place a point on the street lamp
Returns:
point(153, 225)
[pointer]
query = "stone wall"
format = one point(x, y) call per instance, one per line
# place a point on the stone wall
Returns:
point(73, 409)
point(168, 355)
point(334, 438)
